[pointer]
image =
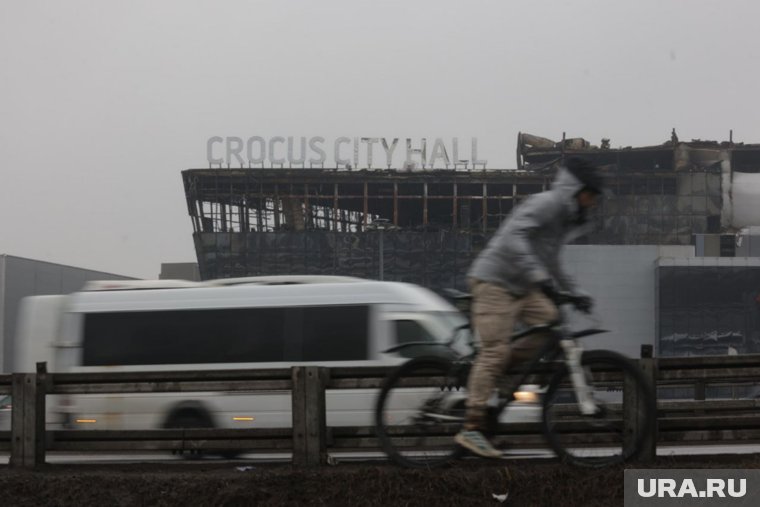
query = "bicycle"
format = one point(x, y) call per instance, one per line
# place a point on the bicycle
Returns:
point(421, 404)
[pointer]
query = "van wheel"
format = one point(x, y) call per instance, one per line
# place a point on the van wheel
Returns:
point(196, 418)
point(189, 419)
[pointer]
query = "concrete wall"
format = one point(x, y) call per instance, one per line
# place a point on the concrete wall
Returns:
point(20, 277)
point(622, 281)
point(708, 306)
point(625, 283)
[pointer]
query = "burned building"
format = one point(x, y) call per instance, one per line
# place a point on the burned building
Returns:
point(426, 226)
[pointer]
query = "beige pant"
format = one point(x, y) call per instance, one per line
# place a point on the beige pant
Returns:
point(494, 313)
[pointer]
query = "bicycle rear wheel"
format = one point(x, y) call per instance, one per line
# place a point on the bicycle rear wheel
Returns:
point(608, 436)
point(419, 410)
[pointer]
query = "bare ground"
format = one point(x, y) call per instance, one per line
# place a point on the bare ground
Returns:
point(222, 484)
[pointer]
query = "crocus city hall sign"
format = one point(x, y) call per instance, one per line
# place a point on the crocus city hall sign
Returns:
point(346, 152)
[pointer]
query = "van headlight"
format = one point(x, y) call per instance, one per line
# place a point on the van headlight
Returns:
point(529, 393)
point(526, 396)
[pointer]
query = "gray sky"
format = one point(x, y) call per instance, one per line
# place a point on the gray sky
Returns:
point(103, 103)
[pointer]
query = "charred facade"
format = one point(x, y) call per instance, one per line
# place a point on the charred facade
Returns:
point(426, 226)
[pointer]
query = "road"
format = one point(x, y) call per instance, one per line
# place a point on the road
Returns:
point(121, 458)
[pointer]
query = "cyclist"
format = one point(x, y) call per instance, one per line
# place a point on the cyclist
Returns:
point(513, 279)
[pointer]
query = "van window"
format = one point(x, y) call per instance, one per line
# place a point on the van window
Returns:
point(184, 337)
point(411, 331)
point(335, 333)
point(239, 335)
point(408, 331)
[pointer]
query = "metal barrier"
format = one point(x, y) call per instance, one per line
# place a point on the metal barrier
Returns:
point(678, 422)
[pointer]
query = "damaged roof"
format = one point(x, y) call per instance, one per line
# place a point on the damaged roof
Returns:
point(536, 153)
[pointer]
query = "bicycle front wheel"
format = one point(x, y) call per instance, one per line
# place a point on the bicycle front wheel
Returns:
point(419, 410)
point(616, 430)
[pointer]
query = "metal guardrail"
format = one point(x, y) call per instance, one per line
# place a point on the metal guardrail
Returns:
point(678, 422)
point(701, 421)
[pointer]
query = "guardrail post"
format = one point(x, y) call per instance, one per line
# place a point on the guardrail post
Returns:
point(648, 365)
point(700, 388)
point(28, 420)
point(634, 405)
point(309, 425)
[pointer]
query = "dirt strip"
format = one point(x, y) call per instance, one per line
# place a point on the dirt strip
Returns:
point(469, 483)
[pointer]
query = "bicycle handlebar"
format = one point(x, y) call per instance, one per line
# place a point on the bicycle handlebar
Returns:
point(563, 298)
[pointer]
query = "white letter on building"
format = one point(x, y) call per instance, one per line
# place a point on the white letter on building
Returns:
point(262, 150)
point(234, 147)
point(422, 150)
point(210, 150)
point(439, 152)
point(313, 144)
point(389, 151)
point(272, 159)
point(475, 154)
point(339, 161)
point(455, 154)
point(291, 159)
point(370, 141)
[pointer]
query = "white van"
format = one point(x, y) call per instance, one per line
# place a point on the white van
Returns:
point(260, 322)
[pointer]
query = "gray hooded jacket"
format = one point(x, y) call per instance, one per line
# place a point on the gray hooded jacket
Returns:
point(525, 250)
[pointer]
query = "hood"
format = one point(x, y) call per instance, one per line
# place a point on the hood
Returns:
point(565, 185)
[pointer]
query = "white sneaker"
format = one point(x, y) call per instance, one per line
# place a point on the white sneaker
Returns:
point(475, 442)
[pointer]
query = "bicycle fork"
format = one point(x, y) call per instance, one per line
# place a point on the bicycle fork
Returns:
point(583, 392)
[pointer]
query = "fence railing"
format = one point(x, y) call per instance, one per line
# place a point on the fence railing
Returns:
point(679, 422)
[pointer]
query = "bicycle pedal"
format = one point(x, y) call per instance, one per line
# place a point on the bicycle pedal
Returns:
point(501, 445)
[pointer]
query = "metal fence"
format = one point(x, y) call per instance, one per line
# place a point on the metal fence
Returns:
point(679, 422)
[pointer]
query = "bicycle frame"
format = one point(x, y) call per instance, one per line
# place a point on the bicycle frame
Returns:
point(561, 342)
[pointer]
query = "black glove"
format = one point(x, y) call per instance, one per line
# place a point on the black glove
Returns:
point(549, 290)
point(583, 303)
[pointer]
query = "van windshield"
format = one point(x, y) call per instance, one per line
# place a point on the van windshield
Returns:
point(448, 322)
point(430, 327)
